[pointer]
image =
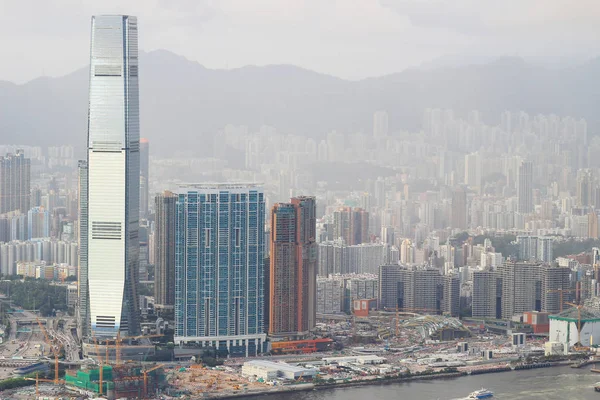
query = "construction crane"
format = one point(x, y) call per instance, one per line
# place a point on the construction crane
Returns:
point(99, 363)
point(145, 372)
point(561, 291)
point(55, 350)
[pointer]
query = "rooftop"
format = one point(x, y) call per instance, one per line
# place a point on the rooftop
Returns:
point(281, 366)
point(587, 314)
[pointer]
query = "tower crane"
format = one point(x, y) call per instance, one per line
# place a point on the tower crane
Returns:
point(55, 348)
point(145, 372)
point(561, 291)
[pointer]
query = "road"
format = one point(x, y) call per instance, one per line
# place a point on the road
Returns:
point(34, 344)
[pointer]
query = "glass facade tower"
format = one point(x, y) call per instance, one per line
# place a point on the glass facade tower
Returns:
point(219, 268)
point(113, 177)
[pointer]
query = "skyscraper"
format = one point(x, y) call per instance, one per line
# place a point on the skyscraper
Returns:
point(164, 250)
point(38, 223)
point(380, 124)
point(15, 180)
point(525, 187)
point(459, 208)
point(219, 267)
point(352, 225)
point(144, 176)
point(293, 266)
point(113, 176)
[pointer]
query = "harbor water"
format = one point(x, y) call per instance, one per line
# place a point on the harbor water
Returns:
point(560, 383)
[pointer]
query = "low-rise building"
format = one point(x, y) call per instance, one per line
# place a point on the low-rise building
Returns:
point(269, 370)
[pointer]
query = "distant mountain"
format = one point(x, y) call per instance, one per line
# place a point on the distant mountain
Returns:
point(183, 104)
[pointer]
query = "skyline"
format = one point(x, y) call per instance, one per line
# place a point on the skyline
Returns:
point(392, 34)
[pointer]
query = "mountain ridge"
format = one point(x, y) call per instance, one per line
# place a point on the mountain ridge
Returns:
point(184, 104)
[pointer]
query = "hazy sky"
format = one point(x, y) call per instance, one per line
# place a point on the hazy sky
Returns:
point(347, 38)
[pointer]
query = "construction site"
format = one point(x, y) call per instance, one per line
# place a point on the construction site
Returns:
point(112, 373)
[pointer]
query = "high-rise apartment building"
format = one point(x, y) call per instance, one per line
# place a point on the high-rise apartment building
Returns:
point(525, 187)
point(38, 223)
point(420, 289)
point(352, 225)
point(164, 250)
point(113, 177)
point(15, 181)
point(531, 286)
point(219, 267)
point(293, 268)
point(144, 176)
point(335, 257)
point(486, 298)
point(534, 248)
point(459, 208)
point(380, 124)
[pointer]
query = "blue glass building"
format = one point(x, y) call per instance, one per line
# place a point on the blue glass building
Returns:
point(219, 267)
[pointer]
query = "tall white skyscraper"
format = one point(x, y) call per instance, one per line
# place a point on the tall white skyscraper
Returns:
point(113, 177)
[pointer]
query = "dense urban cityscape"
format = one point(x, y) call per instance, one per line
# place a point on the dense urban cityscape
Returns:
point(288, 263)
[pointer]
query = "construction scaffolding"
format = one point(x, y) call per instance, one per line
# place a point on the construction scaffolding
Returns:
point(128, 380)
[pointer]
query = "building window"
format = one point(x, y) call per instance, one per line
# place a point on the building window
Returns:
point(207, 237)
point(237, 237)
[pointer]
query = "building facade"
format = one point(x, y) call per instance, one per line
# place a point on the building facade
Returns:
point(144, 176)
point(113, 176)
point(293, 268)
point(219, 267)
point(525, 187)
point(83, 304)
point(15, 181)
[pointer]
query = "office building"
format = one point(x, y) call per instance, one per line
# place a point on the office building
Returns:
point(144, 176)
point(15, 181)
point(293, 268)
point(164, 250)
point(219, 267)
point(113, 172)
point(525, 188)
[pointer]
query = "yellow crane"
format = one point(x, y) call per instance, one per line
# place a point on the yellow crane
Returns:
point(55, 350)
point(100, 365)
point(37, 380)
point(561, 291)
point(145, 372)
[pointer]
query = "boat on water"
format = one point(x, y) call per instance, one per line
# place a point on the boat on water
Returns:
point(481, 394)
point(597, 387)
